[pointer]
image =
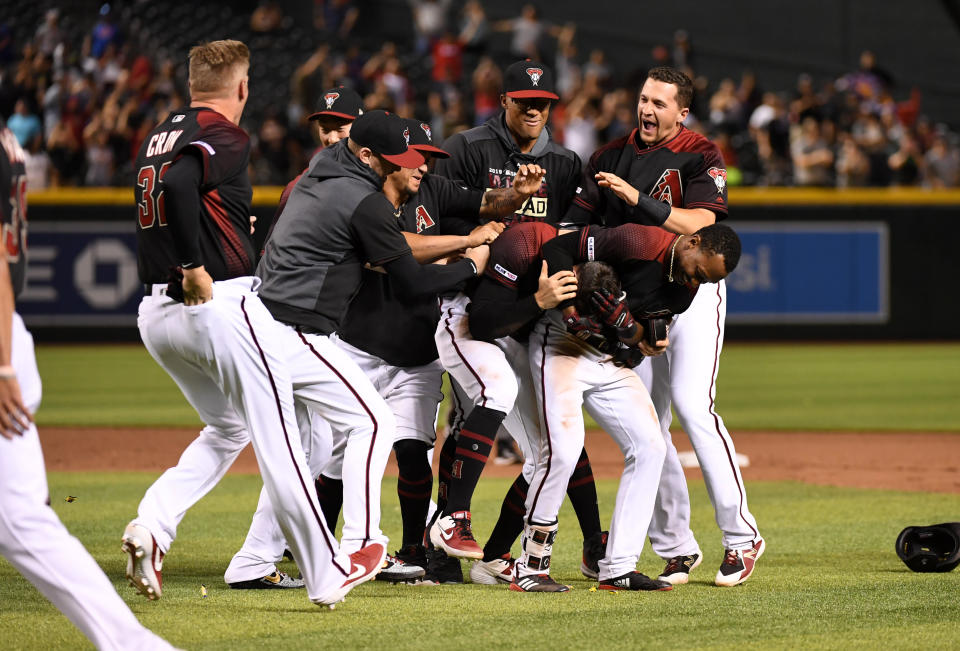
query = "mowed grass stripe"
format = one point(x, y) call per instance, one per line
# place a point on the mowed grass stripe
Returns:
point(829, 579)
point(865, 387)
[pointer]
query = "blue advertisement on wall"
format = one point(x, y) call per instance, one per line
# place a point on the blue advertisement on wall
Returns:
point(81, 274)
point(811, 272)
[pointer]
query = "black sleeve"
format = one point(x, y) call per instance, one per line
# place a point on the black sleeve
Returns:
point(376, 229)
point(414, 279)
point(457, 200)
point(496, 311)
point(181, 194)
point(588, 201)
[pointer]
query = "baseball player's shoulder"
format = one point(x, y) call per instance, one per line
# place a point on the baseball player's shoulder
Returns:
point(695, 143)
point(474, 135)
point(555, 148)
point(605, 157)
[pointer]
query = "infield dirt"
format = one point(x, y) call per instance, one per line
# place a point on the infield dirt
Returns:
point(911, 461)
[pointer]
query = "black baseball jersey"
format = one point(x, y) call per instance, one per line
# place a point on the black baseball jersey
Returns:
point(639, 254)
point(13, 207)
point(400, 331)
point(225, 245)
point(503, 302)
point(686, 171)
point(486, 158)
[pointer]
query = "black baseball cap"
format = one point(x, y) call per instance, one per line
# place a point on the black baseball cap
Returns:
point(388, 135)
point(529, 79)
point(421, 138)
point(340, 102)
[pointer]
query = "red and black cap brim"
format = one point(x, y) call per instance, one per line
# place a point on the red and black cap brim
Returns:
point(332, 114)
point(430, 149)
point(410, 158)
point(525, 94)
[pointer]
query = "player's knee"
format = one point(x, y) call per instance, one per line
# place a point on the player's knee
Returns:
point(411, 455)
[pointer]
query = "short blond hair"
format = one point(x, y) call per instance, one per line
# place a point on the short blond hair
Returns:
point(214, 65)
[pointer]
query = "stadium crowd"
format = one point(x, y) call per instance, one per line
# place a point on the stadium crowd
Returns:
point(80, 92)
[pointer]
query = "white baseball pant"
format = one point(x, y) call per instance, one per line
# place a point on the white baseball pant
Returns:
point(569, 375)
point(37, 544)
point(687, 375)
point(494, 375)
point(231, 360)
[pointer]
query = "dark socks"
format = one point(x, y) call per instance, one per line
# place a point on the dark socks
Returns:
point(582, 492)
point(330, 495)
point(473, 448)
point(510, 523)
point(414, 488)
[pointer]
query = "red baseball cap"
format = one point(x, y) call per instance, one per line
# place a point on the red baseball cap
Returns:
point(388, 135)
point(529, 79)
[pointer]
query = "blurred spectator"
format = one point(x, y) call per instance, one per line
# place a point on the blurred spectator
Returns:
point(474, 29)
point(597, 70)
point(24, 124)
point(942, 164)
point(579, 132)
point(682, 52)
point(105, 33)
point(48, 34)
point(906, 162)
point(66, 155)
point(868, 81)
point(38, 166)
point(853, 167)
point(812, 158)
point(487, 82)
point(725, 107)
point(100, 158)
point(429, 21)
point(267, 17)
point(335, 18)
point(447, 58)
point(527, 31)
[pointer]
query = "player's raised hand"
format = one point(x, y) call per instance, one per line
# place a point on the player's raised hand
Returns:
point(528, 179)
point(197, 286)
point(620, 187)
point(553, 290)
point(480, 255)
point(14, 417)
point(484, 233)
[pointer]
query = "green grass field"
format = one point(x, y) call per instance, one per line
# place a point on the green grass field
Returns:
point(829, 578)
point(867, 387)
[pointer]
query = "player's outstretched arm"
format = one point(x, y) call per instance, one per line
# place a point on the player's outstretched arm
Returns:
point(428, 248)
point(505, 201)
point(14, 417)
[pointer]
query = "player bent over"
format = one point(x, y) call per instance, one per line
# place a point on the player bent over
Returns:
point(577, 367)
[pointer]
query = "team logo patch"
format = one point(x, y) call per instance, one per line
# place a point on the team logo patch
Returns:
point(719, 176)
point(535, 74)
point(406, 136)
point(426, 130)
point(424, 220)
point(177, 118)
point(330, 98)
point(668, 188)
point(503, 272)
point(591, 249)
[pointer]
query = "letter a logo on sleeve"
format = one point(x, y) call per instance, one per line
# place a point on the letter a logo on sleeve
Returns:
point(424, 220)
point(668, 189)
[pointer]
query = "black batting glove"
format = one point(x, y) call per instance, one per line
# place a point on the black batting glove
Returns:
point(614, 312)
point(582, 327)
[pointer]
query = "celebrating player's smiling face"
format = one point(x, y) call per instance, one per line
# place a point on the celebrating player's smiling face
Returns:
point(658, 112)
point(526, 118)
point(332, 129)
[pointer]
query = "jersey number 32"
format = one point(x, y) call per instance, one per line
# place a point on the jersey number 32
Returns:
point(150, 207)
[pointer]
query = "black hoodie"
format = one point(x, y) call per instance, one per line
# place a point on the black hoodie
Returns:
point(487, 157)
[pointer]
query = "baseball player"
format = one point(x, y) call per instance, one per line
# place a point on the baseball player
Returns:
point(341, 106)
point(311, 270)
point(505, 304)
point(573, 369)
point(32, 538)
point(666, 175)
point(488, 157)
point(202, 320)
point(382, 332)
